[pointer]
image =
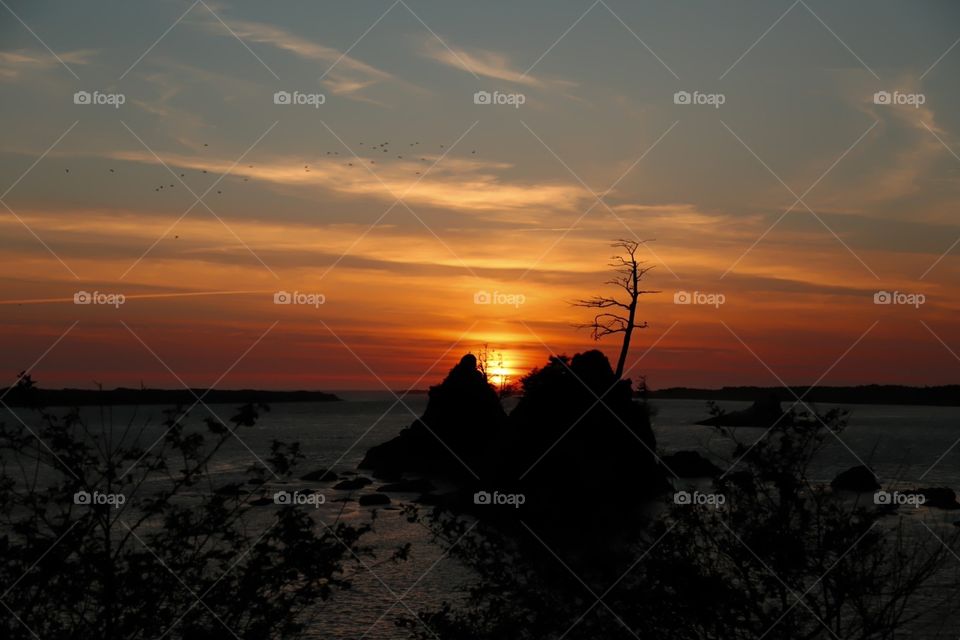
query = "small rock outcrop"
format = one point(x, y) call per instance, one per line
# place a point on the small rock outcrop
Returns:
point(352, 484)
point(859, 479)
point(418, 485)
point(939, 497)
point(319, 475)
point(690, 464)
point(374, 500)
point(762, 414)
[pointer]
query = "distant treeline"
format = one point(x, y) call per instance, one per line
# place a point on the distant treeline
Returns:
point(944, 396)
point(19, 397)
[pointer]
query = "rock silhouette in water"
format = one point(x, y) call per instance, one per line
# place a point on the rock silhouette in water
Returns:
point(939, 497)
point(582, 441)
point(860, 479)
point(691, 464)
point(464, 406)
point(455, 437)
point(763, 414)
point(577, 439)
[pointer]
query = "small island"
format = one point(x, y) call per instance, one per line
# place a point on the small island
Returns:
point(21, 397)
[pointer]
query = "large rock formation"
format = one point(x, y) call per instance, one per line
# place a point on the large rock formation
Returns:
point(456, 436)
point(577, 441)
point(580, 440)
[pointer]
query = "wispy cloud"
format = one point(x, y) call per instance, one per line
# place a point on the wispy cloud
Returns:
point(344, 74)
point(905, 152)
point(482, 62)
point(455, 184)
point(18, 63)
point(689, 219)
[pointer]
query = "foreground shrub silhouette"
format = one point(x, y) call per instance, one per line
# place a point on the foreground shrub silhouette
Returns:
point(785, 558)
point(179, 558)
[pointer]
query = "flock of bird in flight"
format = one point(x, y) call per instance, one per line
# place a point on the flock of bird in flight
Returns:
point(383, 147)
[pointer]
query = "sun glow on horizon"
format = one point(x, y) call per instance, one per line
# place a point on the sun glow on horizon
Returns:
point(500, 376)
point(502, 369)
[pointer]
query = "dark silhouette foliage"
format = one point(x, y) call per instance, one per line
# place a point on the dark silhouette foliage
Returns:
point(783, 557)
point(180, 555)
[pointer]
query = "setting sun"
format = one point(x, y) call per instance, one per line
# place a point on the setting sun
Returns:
point(501, 375)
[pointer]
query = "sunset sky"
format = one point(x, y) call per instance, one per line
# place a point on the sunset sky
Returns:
point(797, 199)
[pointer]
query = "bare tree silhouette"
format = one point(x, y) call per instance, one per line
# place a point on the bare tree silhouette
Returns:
point(618, 316)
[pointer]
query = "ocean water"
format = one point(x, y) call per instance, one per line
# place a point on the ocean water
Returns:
point(907, 446)
point(904, 444)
